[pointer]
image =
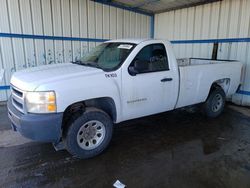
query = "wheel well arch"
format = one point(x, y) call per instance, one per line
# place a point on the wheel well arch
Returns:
point(106, 104)
point(223, 83)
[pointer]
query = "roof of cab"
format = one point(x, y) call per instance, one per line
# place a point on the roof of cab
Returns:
point(134, 41)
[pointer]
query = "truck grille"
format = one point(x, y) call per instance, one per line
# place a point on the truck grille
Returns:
point(17, 98)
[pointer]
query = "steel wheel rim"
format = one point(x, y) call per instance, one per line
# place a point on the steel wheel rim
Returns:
point(217, 103)
point(91, 135)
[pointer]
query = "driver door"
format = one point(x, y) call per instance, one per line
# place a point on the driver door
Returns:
point(148, 83)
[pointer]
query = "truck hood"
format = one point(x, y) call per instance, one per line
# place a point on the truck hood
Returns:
point(30, 79)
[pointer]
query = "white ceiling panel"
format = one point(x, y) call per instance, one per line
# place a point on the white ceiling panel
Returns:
point(157, 6)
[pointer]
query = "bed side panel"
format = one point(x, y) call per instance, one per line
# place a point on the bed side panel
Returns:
point(196, 81)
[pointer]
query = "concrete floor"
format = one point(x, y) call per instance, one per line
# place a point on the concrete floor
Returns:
point(176, 149)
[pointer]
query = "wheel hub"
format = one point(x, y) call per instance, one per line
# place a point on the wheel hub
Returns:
point(91, 134)
point(217, 103)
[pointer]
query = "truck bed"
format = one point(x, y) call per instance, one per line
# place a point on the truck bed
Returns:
point(197, 76)
point(199, 61)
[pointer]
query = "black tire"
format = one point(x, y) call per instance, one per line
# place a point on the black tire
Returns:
point(216, 96)
point(76, 123)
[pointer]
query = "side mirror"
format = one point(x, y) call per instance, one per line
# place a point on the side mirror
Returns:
point(139, 66)
point(132, 71)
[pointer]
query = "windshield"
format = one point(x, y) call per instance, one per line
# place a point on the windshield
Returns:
point(107, 56)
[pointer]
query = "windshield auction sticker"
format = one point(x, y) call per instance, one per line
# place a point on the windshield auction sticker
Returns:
point(125, 46)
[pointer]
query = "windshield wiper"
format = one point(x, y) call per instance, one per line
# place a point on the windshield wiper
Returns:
point(78, 62)
point(90, 64)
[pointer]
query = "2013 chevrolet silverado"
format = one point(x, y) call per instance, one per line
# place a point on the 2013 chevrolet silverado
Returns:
point(75, 105)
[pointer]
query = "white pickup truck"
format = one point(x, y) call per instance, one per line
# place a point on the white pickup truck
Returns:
point(75, 105)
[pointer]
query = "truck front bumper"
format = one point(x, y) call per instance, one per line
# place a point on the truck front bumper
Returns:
point(38, 127)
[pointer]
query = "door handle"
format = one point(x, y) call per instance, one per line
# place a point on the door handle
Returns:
point(166, 79)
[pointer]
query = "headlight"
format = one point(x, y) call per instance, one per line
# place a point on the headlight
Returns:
point(41, 102)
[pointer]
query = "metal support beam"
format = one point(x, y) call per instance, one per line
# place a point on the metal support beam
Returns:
point(122, 6)
point(152, 26)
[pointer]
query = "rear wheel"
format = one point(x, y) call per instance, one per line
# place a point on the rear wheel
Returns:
point(89, 134)
point(215, 103)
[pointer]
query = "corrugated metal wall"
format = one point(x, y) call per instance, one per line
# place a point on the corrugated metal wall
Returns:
point(220, 20)
point(67, 18)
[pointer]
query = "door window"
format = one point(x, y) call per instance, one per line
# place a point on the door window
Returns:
point(151, 58)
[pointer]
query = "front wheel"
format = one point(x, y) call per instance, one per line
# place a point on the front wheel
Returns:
point(215, 103)
point(89, 135)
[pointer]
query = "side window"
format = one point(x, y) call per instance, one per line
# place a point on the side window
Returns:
point(151, 58)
